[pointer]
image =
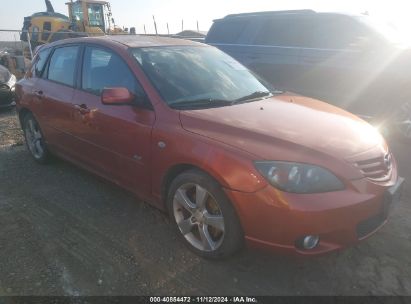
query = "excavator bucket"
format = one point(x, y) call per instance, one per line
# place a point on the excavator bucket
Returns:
point(50, 8)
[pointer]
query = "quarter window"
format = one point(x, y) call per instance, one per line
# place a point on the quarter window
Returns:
point(63, 65)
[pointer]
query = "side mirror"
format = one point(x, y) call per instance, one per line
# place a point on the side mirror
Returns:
point(117, 96)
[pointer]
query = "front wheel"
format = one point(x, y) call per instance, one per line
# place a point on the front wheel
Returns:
point(204, 218)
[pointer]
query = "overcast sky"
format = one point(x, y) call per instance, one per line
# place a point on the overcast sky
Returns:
point(136, 13)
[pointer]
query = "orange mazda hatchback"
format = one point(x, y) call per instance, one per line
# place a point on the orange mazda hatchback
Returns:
point(190, 130)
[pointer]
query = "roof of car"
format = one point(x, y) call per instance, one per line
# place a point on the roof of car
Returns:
point(270, 13)
point(133, 41)
point(304, 12)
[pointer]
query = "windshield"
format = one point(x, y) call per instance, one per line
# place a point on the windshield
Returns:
point(95, 15)
point(198, 75)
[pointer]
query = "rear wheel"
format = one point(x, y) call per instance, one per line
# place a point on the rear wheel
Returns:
point(35, 139)
point(204, 218)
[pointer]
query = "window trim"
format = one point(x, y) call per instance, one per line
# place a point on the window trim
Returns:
point(46, 76)
point(45, 67)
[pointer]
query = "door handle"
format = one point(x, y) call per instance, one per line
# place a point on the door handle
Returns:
point(82, 108)
point(38, 93)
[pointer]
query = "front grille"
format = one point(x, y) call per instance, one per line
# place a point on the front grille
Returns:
point(377, 169)
point(370, 225)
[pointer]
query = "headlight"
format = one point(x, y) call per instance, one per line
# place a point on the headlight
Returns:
point(12, 81)
point(298, 178)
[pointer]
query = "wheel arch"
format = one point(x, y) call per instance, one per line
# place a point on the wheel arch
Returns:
point(22, 113)
point(178, 169)
point(171, 174)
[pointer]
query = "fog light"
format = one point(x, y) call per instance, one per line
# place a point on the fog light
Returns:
point(308, 242)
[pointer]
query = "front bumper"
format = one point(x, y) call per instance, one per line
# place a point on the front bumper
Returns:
point(276, 220)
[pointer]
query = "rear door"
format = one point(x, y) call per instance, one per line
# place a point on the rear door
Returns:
point(115, 138)
point(53, 93)
point(32, 85)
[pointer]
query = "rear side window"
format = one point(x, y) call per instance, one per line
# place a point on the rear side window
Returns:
point(62, 65)
point(104, 69)
point(325, 32)
point(41, 62)
point(288, 32)
point(337, 33)
point(226, 31)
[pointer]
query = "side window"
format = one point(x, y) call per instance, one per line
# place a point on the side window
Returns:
point(95, 15)
point(77, 11)
point(63, 65)
point(337, 33)
point(289, 32)
point(104, 69)
point(227, 31)
point(35, 33)
point(46, 30)
point(41, 62)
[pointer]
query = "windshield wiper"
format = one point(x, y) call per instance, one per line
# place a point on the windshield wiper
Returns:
point(252, 96)
point(200, 103)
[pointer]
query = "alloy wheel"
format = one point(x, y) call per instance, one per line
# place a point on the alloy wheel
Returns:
point(199, 217)
point(34, 139)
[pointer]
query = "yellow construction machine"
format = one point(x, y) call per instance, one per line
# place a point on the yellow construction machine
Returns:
point(86, 18)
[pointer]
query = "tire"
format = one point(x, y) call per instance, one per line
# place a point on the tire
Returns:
point(209, 226)
point(35, 140)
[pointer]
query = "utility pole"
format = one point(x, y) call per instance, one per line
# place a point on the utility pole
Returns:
point(168, 30)
point(182, 25)
point(145, 32)
point(198, 29)
point(155, 25)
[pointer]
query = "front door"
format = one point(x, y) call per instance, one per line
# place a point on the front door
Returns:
point(117, 137)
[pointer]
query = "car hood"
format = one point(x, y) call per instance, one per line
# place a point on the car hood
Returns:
point(287, 127)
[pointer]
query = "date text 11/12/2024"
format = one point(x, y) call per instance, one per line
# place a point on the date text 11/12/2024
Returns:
point(203, 299)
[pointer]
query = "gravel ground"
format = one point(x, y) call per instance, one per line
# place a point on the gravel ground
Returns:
point(66, 232)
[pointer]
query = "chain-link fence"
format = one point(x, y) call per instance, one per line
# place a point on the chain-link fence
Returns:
point(15, 54)
point(17, 48)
